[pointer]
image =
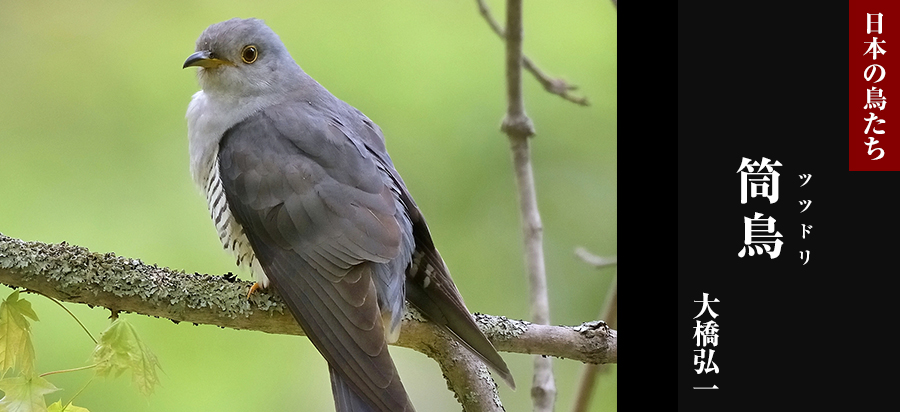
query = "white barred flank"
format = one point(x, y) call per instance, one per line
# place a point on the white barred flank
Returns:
point(230, 231)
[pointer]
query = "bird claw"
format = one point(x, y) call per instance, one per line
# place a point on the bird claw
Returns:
point(253, 288)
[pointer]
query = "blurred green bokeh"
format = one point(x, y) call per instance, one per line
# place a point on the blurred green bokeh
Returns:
point(93, 151)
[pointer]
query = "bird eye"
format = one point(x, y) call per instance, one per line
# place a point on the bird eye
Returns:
point(249, 54)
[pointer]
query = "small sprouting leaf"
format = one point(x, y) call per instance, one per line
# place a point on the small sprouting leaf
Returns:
point(23, 306)
point(121, 349)
point(16, 349)
point(58, 407)
point(25, 394)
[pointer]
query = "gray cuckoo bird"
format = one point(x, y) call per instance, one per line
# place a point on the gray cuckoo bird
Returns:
point(302, 190)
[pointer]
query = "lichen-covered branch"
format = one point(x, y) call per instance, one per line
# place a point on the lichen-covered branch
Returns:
point(589, 373)
point(74, 274)
point(465, 374)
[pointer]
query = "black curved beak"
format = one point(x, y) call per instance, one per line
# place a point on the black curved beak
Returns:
point(205, 59)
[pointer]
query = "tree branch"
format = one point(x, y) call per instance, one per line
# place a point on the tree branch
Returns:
point(465, 374)
point(74, 274)
point(557, 86)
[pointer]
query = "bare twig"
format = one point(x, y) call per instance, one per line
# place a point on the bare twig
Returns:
point(589, 373)
point(74, 274)
point(594, 260)
point(518, 127)
point(557, 86)
point(543, 390)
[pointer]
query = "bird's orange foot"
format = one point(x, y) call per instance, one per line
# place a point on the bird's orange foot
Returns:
point(253, 288)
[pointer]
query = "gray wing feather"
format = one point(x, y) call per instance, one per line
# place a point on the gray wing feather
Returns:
point(345, 399)
point(430, 289)
point(323, 224)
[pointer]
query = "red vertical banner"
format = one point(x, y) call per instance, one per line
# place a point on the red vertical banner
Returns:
point(874, 66)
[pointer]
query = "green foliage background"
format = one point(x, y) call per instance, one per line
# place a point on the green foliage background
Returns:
point(93, 151)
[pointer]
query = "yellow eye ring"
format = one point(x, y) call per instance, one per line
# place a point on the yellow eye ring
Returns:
point(249, 54)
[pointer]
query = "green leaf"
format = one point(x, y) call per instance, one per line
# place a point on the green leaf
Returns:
point(25, 394)
point(16, 349)
point(58, 407)
point(121, 349)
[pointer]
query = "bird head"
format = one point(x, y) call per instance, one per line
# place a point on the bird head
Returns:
point(242, 57)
